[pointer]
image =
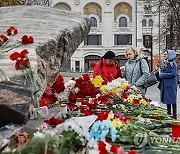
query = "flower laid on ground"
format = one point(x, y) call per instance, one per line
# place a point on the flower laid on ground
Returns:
point(27, 39)
point(12, 30)
point(7, 44)
point(22, 60)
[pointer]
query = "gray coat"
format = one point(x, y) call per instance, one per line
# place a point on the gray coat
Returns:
point(133, 73)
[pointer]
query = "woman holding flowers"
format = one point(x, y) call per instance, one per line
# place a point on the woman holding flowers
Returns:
point(107, 67)
point(133, 73)
point(168, 74)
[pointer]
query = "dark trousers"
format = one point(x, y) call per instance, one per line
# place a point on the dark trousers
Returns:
point(174, 109)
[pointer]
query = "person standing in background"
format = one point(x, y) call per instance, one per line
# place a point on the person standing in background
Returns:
point(133, 73)
point(168, 74)
point(107, 67)
point(144, 52)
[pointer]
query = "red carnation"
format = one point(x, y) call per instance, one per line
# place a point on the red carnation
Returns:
point(4, 37)
point(8, 32)
point(102, 148)
point(92, 64)
point(24, 62)
point(124, 95)
point(12, 30)
point(31, 39)
point(44, 101)
point(23, 53)
point(17, 66)
point(132, 152)
point(14, 56)
point(114, 148)
point(58, 85)
point(72, 97)
point(86, 77)
point(25, 39)
point(136, 101)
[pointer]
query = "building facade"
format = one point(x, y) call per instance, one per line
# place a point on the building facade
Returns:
point(115, 25)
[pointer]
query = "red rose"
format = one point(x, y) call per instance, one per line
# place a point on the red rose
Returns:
point(14, 56)
point(31, 39)
point(23, 53)
point(25, 39)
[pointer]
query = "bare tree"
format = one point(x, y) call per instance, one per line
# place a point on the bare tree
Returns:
point(169, 29)
point(25, 2)
point(36, 2)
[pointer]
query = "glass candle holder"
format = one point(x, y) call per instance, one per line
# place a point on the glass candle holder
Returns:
point(176, 128)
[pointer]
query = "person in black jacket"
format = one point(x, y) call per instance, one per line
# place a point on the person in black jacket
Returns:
point(144, 52)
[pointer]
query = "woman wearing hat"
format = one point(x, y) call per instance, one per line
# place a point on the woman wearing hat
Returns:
point(107, 67)
point(169, 81)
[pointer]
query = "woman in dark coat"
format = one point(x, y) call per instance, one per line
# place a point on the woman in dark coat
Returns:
point(168, 84)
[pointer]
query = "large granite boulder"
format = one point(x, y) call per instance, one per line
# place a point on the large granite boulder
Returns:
point(57, 35)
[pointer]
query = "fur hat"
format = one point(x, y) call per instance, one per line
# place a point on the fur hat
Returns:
point(109, 55)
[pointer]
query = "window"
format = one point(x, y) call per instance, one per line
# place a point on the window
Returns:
point(123, 39)
point(148, 9)
point(144, 23)
point(121, 59)
point(122, 22)
point(93, 40)
point(147, 41)
point(93, 22)
point(77, 66)
point(150, 22)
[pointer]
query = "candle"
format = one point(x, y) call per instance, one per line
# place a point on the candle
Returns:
point(176, 128)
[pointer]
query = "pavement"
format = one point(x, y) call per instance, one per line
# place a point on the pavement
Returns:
point(152, 93)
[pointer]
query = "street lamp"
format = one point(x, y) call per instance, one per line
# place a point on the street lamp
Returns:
point(151, 39)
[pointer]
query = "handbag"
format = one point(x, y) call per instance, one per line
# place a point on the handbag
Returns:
point(152, 80)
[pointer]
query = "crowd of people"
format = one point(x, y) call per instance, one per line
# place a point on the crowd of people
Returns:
point(137, 72)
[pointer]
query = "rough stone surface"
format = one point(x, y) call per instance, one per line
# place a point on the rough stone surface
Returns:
point(57, 35)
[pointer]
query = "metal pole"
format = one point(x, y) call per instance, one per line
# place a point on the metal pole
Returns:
point(159, 28)
point(151, 51)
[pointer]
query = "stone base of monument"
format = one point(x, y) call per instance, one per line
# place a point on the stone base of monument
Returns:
point(14, 101)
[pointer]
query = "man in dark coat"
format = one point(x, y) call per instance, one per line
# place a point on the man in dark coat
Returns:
point(169, 81)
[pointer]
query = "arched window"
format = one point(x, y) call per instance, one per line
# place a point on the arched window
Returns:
point(144, 23)
point(93, 22)
point(122, 22)
point(150, 22)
